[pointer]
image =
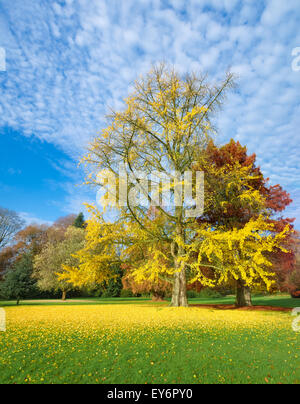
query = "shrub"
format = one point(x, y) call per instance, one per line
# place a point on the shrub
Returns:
point(204, 294)
point(192, 294)
point(209, 294)
point(126, 293)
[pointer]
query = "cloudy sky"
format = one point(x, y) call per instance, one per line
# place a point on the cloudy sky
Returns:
point(68, 61)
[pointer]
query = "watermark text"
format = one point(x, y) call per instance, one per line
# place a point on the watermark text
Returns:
point(296, 322)
point(166, 190)
point(2, 60)
point(296, 60)
point(2, 320)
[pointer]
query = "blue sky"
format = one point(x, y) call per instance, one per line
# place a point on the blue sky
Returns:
point(68, 61)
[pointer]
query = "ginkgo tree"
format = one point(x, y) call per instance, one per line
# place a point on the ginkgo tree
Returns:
point(238, 254)
point(110, 243)
point(164, 127)
point(97, 258)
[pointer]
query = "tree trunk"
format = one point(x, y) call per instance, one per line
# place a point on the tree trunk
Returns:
point(157, 297)
point(179, 296)
point(243, 295)
point(64, 296)
point(18, 302)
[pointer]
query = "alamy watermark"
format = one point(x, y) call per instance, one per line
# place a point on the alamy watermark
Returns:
point(2, 60)
point(2, 320)
point(138, 189)
point(296, 60)
point(296, 322)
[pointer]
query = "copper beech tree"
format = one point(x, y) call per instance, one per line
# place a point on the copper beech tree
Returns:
point(158, 290)
point(290, 279)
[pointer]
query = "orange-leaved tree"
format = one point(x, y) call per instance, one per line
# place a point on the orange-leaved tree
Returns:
point(237, 195)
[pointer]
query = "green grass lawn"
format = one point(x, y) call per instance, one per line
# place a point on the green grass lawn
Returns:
point(272, 300)
point(136, 341)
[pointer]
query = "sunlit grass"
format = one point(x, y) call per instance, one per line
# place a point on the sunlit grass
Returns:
point(147, 344)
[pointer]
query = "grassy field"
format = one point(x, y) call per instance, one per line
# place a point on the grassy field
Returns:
point(136, 341)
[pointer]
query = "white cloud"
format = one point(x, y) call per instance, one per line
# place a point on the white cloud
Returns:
point(31, 219)
point(277, 10)
point(14, 171)
point(64, 72)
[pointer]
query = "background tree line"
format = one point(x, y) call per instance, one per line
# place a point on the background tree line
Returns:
point(31, 256)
